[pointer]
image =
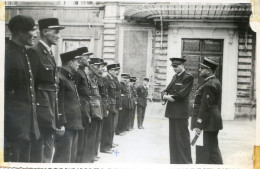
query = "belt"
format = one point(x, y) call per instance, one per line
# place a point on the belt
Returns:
point(196, 106)
point(47, 87)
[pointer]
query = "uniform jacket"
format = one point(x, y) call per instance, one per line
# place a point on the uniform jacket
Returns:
point(111, 91)
point(83, 88)
point(46, 85)
point(20, 106)
point(102, 86)
point(94, 89)
point(125, 95)
point(133, 94)
point(142, 93)
point(69, 102)
point(206, 106)
point(118, 93)
point(180, 88)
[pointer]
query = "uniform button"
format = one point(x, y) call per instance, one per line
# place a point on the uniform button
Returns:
point(32, 95)
point(30, 87)
point(28, 63)
point(37, 104)
point(30, 79)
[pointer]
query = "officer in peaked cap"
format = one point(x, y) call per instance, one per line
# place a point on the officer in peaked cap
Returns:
point(93, 138)
point(68, 100)
point(177, 110)
point(20, 123)
point(43, 63)
point(125, 95)
point(133, 101)
point(207, 116)
point(83, 86)
point(142, 93)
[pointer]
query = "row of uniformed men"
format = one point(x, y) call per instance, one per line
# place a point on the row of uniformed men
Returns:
point(61, 114)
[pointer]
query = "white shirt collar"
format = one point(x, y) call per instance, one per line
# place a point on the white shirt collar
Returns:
point(44, 44)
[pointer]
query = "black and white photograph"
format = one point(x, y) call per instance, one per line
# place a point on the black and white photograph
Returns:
point(130, 82)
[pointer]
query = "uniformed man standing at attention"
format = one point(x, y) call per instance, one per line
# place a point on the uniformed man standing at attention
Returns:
point(177, 110)
point(83, 87)
point(69, 108)
point(108, 128)
point(134, 101)
point(123, 119)
point(44, 69)
point(207, 116)
point(118, 99)
point(20, 119)
point(142, 93)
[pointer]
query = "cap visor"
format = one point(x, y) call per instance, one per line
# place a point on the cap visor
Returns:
point(84, 54)
point(202, 65)
point(56, 27)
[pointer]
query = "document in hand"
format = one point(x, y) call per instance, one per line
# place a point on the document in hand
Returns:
point(199, 140)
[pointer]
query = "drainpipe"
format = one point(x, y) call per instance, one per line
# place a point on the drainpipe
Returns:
point(161, 31)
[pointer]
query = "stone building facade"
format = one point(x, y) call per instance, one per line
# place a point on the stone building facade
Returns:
point(143, 36)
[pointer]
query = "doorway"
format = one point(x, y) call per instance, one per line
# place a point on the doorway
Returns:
point(194, 51)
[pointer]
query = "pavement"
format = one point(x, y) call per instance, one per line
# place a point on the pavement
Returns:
point(151, 145)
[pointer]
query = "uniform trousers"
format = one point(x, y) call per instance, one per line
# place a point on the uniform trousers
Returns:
point(88, 154)
point(98, 136)
point(140, 115)
point(116, 119)
point(66, 147)
point(108, 131)
point(132, 117)
point(82, 139)
point(42, 149)
point(123, 119)
point(209, 153)
point(82, 155)
point(179, 140)
point(17, 151)
point(112, 126)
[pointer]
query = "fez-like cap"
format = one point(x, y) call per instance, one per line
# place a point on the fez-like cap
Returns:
point(49, 23)
point(84, 51)
point(102, 62)
point(177, 61)
point(68, 56)
point(210, 64)
point(113, 66)
point(21, 23)
point(133, 79)
point(95, 61)
point(146, 79)
point(125, 75)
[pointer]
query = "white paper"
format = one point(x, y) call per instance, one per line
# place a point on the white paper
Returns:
point(199, 141)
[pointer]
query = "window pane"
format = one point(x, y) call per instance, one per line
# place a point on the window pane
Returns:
point(212, 46)
point(191, 45)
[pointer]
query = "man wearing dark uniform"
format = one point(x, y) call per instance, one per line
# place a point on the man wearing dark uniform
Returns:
point(177, 110)
point(20, 119)
point(102, 86)
point(108, 128)
point(134, 101)
point(70, 109)
point(83, 87)
point(207, 116)
point(96, 110)
point(45, 73)
point(125, 95)
point(142, 92)
point(118, 99)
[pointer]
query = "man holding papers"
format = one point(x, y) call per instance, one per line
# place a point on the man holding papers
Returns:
point(206, 115)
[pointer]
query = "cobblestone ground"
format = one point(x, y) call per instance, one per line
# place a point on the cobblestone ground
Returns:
point(151, 145)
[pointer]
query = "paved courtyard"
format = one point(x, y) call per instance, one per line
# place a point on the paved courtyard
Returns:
point(151, 145)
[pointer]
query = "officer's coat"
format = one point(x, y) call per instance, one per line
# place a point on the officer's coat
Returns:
point(142, 94)
point(180, 88)
point(45, 72)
